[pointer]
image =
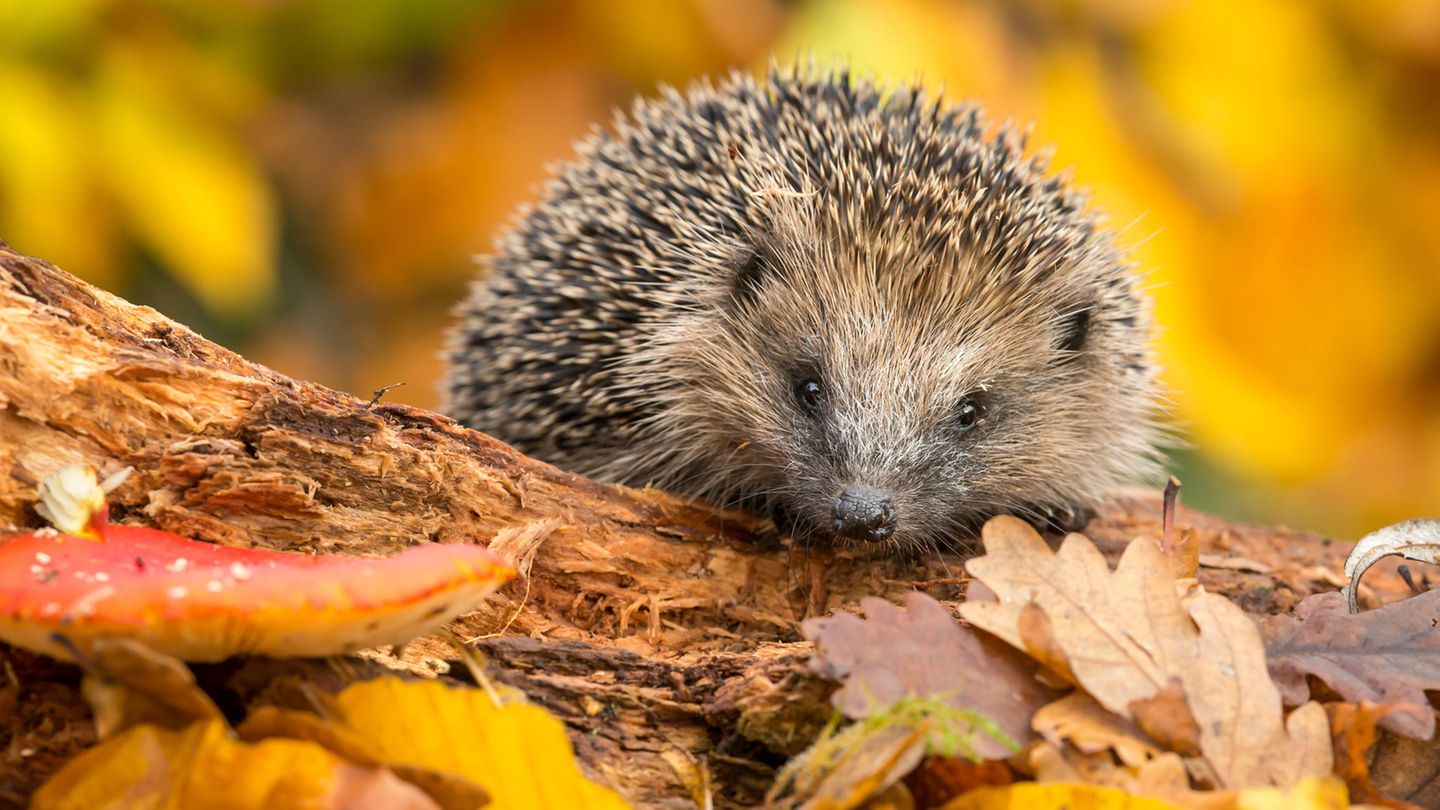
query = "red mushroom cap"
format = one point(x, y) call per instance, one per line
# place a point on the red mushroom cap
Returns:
point(204, 602)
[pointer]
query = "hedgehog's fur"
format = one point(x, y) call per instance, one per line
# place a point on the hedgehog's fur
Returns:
point(650, 319)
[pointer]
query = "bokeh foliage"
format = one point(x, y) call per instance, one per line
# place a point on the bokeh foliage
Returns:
point(307, 181)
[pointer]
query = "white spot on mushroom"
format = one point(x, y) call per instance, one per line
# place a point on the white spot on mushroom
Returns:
point(101, 576)
point(214, 586)
point(178, 592)
point(179, 564)
point(239, 571)
point(42, 558)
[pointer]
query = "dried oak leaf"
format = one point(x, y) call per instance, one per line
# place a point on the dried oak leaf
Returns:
point(923, 651)
point(1126, 633)
point(1389, 655)
point(1091, 729)
point(1165, 777)
point(1353, 727)
point(128, 684)
point(1166, 717)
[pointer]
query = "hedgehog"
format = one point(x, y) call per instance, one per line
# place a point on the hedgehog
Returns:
point(863, 310)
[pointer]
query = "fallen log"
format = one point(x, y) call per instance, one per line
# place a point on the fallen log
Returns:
point(663, 630)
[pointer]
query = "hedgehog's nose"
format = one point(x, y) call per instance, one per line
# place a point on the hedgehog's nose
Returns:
point(864, 513)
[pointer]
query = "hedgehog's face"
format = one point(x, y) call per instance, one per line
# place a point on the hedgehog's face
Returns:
point(894, 413)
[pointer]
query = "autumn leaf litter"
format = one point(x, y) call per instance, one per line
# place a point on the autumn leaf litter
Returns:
point(1063, 682)
point(1133, 678)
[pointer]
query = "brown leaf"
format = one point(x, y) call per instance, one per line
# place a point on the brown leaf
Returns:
point(1185, 557)
point(1087, 726)
point(1124, 623)
point(1309, 754)
point(1047, 762)
point(1126, 633)
point(1385, 656)
point(922, 650)
point(9, 701)
point(1164, 777)
point(1044, 761)
point(267, 722)
point(1406, 769)
point(127, 684)
point(940, 779)
point(1166, 717)
point(1039, 640)
point(1353, 728)
point(1224, 561)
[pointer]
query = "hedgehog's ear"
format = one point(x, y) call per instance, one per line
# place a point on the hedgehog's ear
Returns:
point(1074, 331)
point(746, 278)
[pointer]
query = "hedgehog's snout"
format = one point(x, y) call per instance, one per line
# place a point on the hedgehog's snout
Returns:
point(864, 513)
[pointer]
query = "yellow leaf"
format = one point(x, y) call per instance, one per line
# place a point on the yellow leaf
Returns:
point(147, 768)
point(187, 189)
point(25, 25)
point(1053, 796)
point(905, 40)
point(1312, 793)
point(517, 751)
point(49, 205)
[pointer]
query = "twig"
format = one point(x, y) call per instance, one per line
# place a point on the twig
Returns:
point(1167, 520)
point(380, 392)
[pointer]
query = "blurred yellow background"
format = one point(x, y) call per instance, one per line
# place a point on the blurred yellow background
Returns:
point(307, 181)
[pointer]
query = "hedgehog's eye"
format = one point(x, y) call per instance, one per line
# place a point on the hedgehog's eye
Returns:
point(969, 413)
point(810, 393)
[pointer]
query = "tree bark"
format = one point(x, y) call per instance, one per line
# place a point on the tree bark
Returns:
point(663, 630)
